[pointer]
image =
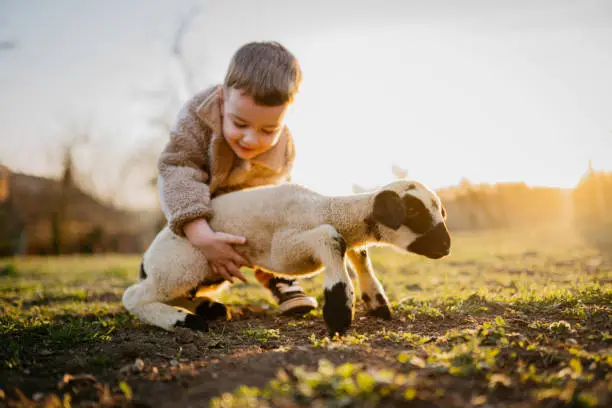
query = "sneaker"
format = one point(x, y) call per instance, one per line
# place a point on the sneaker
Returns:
point(290, 297)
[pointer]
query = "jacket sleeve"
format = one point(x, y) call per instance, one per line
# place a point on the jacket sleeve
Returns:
point(182, 177)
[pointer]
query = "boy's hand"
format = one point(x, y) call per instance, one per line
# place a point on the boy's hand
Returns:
point(217, 248)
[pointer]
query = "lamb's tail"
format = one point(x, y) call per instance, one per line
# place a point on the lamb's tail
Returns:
point(130, 297)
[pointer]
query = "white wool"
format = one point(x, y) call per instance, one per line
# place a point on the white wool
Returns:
point(290, 231)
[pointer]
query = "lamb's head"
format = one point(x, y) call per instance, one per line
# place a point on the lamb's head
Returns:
point(411, 217)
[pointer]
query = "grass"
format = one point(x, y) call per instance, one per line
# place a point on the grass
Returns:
point(510, 319)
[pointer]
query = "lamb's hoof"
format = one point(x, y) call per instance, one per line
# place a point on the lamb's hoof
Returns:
point(381, 312)
point(337, 314)
point(379, 307)
point(338, 327)
point(193, 322)
point(210, 310)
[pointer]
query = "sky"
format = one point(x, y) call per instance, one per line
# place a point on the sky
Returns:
point(491, 90)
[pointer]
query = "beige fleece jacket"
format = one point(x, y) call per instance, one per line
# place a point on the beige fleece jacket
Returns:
point(197, 164)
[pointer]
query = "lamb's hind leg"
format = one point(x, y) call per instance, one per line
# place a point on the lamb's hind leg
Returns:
point(201, 302)
point(372, 292)
point(158, 285)
point(143, 301)
point(206, 308)
point(323, 245)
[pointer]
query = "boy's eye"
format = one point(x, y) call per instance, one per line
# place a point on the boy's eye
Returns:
point(269, 132)
point(240, 125)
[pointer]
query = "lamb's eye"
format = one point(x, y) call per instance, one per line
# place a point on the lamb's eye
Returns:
point(411, 213)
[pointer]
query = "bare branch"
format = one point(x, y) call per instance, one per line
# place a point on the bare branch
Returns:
point(167, 100)
point(178, 53)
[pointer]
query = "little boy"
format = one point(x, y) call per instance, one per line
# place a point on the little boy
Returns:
point(228, 138)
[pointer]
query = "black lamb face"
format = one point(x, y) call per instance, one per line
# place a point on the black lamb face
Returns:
point(413, 219)
point(434, 244)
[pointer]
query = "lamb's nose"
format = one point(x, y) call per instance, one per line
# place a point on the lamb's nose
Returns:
point(447, 242)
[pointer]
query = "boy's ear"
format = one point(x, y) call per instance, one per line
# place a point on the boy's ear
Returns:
point(389, 209)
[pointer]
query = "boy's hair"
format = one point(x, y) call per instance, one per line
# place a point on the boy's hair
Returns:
point(266, 71)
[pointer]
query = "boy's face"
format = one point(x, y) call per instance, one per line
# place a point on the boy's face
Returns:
point(250, 129)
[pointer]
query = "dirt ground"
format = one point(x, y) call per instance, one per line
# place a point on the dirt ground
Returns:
point(506, 321)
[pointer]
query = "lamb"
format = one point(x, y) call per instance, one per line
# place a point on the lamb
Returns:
point(292, 231)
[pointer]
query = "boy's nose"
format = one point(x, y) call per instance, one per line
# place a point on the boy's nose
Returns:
point(249, 140)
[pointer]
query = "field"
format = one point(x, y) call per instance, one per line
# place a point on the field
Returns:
point(510, 319)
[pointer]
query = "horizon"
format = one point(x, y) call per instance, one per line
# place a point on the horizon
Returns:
point(364, 188)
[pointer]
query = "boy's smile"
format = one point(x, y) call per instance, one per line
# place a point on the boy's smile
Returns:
point(250, 129)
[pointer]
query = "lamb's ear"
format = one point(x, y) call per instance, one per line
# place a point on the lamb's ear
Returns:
point(389, 209)
point(399, 173)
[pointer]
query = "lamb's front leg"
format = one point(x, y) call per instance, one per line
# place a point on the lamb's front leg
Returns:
point(372, 292)
point(325, 245)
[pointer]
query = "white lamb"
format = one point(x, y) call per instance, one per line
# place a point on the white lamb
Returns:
point(292, 231)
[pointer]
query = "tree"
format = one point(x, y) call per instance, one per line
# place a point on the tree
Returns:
point(186, 87)
point(172, 97)
point(66, 184)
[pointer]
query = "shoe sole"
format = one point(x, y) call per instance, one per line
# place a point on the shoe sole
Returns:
point(298, 306)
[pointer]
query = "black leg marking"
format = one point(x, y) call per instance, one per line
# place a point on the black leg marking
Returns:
point(338, 316)
point(142, 275)
point(366, 299)
point(210, 310)
point(193, 322)
point(339, 244)
point(382, 311)
point(363, 253)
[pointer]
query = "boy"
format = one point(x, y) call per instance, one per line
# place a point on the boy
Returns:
point(228, 138)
